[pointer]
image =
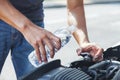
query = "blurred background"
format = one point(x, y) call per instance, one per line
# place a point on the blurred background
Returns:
point(103, 24)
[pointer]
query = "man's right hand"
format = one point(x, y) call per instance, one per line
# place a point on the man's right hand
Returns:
point(39, 38)
point(36, 36)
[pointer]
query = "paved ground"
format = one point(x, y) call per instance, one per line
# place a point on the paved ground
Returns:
point(103, 23)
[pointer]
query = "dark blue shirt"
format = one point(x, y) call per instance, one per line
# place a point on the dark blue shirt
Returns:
point(33, 9)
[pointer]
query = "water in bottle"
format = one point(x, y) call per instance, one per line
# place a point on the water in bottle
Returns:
point(64, 34)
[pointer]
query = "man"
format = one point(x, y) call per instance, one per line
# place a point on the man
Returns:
point(21, 31)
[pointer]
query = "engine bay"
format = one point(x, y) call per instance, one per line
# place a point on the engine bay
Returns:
point(86, 69)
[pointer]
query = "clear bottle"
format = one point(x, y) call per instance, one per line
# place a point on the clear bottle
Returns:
point(64, 34)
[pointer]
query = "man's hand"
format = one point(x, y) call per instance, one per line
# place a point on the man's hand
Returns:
point(39, 38)
point(92, 48)
point(36, 36)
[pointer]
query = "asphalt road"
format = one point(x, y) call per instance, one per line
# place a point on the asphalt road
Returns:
point(103, 23)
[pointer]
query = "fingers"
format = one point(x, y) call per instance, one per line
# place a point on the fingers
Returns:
point(79, 51)
point(37, 51)
point(50, 47)
point(49, 40)
point(39, 38)
point(40, 50)
point(99, 58)
point(99, 55)
point(95, 51)
point(56, 42)
point(43, 52)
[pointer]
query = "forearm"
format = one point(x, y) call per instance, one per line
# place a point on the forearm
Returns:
point(12, 16)
point(76, 9)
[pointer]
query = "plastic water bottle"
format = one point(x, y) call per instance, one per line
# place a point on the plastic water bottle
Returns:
point(64, 34)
